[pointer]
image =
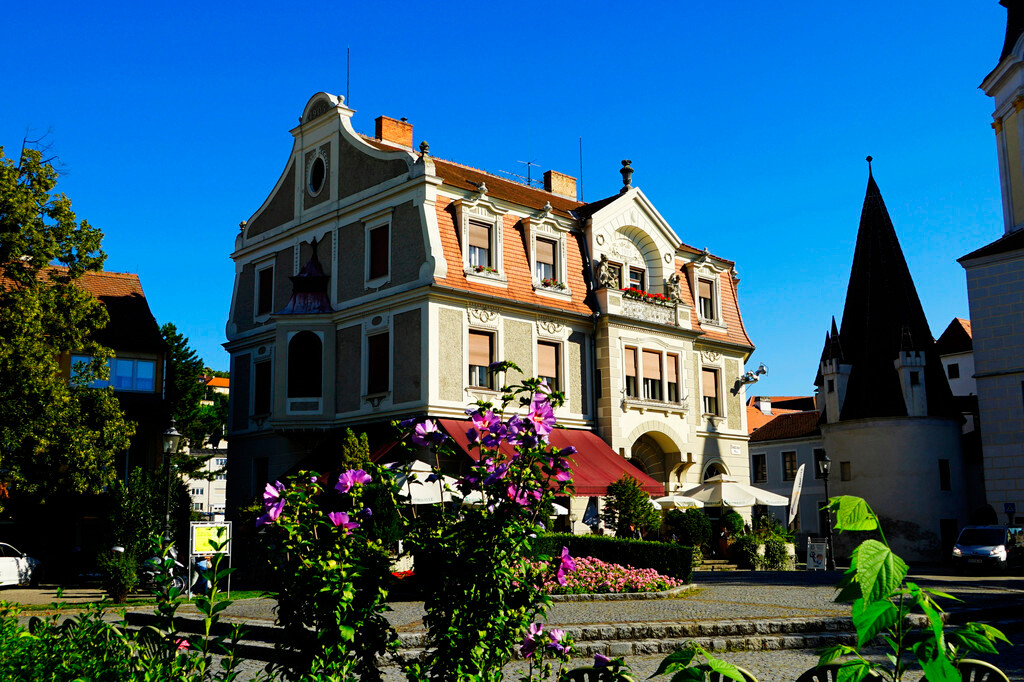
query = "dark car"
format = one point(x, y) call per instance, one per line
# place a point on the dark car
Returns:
point(989, 546)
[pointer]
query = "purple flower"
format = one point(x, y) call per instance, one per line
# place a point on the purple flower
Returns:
point(555, 644)
point(366, 513)
point(601, 661)
point(341, 519)
point(541, 416)
point(529, 644)
point(427, 434)
point(273, 503)
point(406, 423)
point(522, 496)
point(565, 565)
point(497, 474)
point(350, 479)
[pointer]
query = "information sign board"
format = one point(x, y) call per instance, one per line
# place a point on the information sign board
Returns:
point(816, 555)
point(208, 536)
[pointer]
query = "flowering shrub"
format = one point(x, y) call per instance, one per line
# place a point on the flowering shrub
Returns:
point(484, 593)
point(485, 268)
point(332, 576)
point(593, 576)
point(640, 294)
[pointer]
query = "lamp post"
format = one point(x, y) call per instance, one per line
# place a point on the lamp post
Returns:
point(171, 438)
point(825, 466)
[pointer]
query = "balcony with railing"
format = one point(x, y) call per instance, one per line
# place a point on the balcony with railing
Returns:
point(643, 306)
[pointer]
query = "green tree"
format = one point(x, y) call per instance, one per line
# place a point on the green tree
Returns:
point(182, 387)
point(355, 451)
point(627, 508)
point(691, 527)
point(57, 436)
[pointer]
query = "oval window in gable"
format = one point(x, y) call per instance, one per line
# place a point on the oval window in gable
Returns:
point(317, 175)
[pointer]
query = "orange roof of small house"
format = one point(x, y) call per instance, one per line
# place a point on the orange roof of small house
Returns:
point(219, 382)
point(786, 426)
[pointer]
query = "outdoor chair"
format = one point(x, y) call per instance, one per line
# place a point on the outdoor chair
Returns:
point(826, 673)
point(972, 670)
point(592, 674)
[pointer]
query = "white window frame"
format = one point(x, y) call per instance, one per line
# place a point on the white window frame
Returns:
point(257, 269)
point(370, 330)
point(370, 223)
point(753, 469)
point(678, 406)
point(493, 332)
point(560, 352)
point(481, 210)
point(545, 228)
point(706, 268)
point(718, 392)
point(289, 402)
point(255, 360)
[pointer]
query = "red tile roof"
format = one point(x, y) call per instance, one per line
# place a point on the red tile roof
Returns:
point(785, 426)
point(219, 382)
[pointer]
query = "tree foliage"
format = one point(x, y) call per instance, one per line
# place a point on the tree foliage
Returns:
point(182, 387)
point(56, 436)
point(628, 508)
point(691, 526)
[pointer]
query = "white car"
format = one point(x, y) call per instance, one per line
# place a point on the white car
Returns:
point(16, 568)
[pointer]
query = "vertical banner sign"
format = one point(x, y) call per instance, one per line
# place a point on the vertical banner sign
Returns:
point(794, 497)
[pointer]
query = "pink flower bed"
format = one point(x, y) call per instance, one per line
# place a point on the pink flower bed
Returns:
point(595, 576)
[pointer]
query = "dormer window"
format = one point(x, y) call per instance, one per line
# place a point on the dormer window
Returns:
point(545, 268)
point(706, 299)
point(479, 245)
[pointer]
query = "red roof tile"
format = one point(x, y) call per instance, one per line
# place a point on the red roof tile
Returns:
point(784, 426)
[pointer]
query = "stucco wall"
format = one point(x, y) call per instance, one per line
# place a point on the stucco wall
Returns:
point(577, 373)
point(407, 381)
point(518, 347)
point(356, 171)
point(407, 249)
point(281, 208)
point(734, 419)
point(351, 261)
point(245, 298)
point(284, 267)
point(449, 355)
point(347, 377)
point(894, 465)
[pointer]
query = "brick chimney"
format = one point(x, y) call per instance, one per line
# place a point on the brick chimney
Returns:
point(561, 184)
point(395, 132)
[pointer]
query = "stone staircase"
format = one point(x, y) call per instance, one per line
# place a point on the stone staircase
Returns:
point(716, 565)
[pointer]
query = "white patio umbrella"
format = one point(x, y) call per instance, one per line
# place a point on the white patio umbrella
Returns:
point(727, 491)
point(558, 509)
point(419, 489)
point(676, 502)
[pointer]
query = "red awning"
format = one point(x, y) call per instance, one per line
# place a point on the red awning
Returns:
point(594, 466)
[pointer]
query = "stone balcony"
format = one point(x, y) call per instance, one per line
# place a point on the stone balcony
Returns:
point(614, 302)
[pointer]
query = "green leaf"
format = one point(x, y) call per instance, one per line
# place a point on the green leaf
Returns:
point(873, 619)
point(879, 571)
point(853, 671)
point(972, 641)
point(688, 675)
point(725, 669)
point(938, 668)
point(852, 513)
point(992, 633)
point(675, 661)
point(832, 653)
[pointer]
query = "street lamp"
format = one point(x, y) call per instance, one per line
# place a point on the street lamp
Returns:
point(825, 466)
point(171, 438)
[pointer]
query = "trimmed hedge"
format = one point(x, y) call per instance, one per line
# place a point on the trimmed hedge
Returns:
point(667, 558)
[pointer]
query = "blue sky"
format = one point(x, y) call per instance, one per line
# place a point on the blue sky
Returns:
point(747, 124)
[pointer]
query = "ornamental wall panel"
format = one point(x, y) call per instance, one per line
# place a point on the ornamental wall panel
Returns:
point(348, 370)
point(407, 383)
point(449, 362)
point(576, 373)
point(518, 347)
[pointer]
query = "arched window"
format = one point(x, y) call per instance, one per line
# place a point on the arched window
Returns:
point(305, 366)
point(714, 469)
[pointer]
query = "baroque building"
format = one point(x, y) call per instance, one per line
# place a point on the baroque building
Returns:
point(995, 287)
point(378, 282)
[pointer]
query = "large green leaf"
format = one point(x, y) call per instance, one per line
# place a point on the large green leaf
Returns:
point(972, 641)
point(688, 675)
point(873, 619)
point(937, 668)
point(676, 660)
point(725, 669)
point(879, 571)
point(853, 671)
point(852, 513)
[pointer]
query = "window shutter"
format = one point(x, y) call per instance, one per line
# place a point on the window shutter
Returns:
point(703, 288)
point(547, 360)
point(545, 251)
point(480, 348)
point(379, 252)
point(671, 368)
point(479, 235)
point(709, 383)
point(652, 365)
point(630, 362)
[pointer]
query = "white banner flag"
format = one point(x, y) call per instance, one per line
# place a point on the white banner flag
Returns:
point(794, 497)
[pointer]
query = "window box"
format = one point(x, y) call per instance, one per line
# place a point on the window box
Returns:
point(641, 295)
point(549, 283)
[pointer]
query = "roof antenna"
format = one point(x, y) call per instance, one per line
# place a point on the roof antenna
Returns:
point(348, 73)
point(868, 159)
